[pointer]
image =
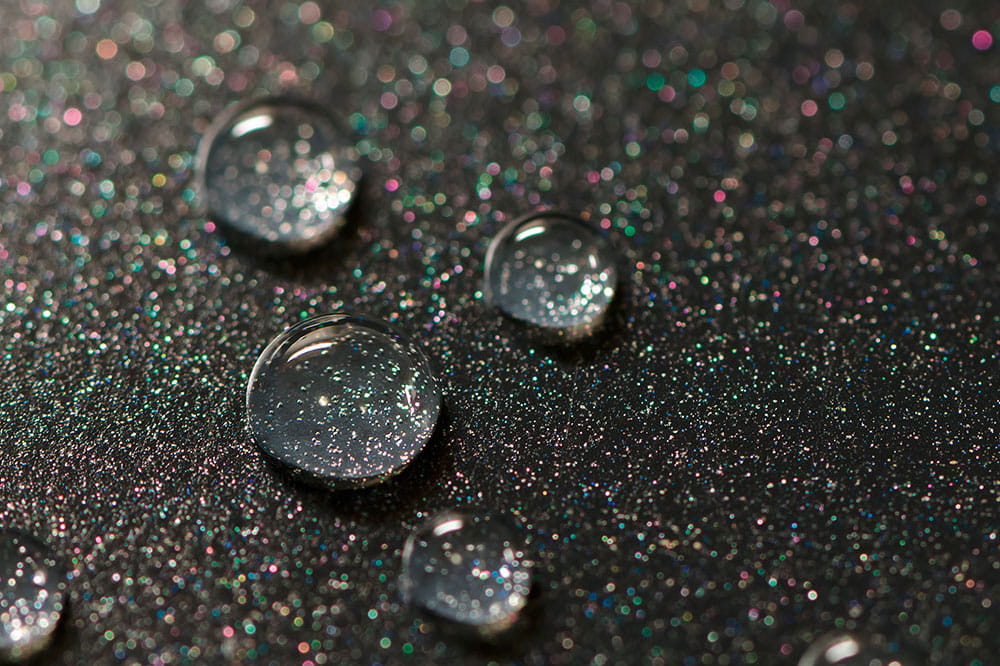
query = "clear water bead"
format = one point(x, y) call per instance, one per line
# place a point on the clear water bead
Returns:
point(276, 172)
point(553, 271)
point(471, 570)
point(840, 649)
point(342, 400)
point(32, 596)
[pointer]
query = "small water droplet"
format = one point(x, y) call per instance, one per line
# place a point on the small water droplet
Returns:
point(32, 596)
point(342, 400)
point(840, 649)
point(275, 170)
point(553, 271)
point(468, 569)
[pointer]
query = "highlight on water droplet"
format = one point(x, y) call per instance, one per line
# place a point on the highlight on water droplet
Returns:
point(472, 570)
point(32, 596)
point(554, 271)
point(342, 400)
point(277, 174)
point(844, 649)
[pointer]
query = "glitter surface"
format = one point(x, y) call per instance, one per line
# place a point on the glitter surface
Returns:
point(790, 430)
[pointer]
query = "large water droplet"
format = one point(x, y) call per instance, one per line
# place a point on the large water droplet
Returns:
point(342, 400)
point(275, 171)
point(468, 569)
point(554, 271)
point(840, 649)
point(32, 596)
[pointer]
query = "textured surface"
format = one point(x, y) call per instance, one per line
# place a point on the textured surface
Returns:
point(789, 428)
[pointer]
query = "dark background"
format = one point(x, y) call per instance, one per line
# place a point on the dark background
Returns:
point(791, 427)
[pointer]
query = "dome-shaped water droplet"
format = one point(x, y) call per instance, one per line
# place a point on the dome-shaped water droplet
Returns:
point(553, 271)
point(32, 596)
point(276, 172)
point(471, 570)
point(840, 649)
point(342, 400)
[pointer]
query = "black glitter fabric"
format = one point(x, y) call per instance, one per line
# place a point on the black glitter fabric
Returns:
point(789, 428)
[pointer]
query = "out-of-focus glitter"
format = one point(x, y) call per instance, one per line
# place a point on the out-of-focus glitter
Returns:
point(982, 40)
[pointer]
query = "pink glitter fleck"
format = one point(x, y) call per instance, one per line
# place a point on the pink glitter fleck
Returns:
point(72, 116)
point(381, 20)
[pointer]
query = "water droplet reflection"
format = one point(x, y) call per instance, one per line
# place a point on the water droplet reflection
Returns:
point(471, 570)
point(342, 400)
point(32, 596)
point(841, 649)
point(276, 172)
point(553, 271)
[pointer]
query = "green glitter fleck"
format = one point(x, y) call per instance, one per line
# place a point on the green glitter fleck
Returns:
point(696, 78)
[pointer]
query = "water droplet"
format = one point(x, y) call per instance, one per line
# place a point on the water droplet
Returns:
point(471, 570)
point(275, 170)
point(32, 596)
point(554, 271)
point(342, 400)
point(841, 649)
